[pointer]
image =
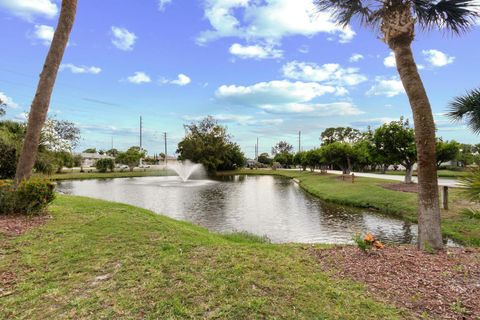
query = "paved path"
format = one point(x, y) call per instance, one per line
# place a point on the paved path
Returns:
point(452, 183)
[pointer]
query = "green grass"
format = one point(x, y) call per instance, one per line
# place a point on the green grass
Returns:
point(98, 259)
point(368, 193)
point(107, 175)
point(441, 173)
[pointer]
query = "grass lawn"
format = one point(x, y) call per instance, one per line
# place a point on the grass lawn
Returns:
point(107, 175)
point(97, 259)
point(441, 173)
point(367, 193)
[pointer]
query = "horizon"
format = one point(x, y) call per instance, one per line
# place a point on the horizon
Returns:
point(261, 77)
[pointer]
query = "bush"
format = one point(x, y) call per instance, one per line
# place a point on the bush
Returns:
point(105, 164)
point(30, 198)
point(8, 160)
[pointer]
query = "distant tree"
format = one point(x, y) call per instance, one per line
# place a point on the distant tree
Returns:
point(208, 143)
point(131, 157)
point(467, 154)
point(467, 108)
point(282, 147)
point(90, 150)
point(265, 159)
point(447, 151)
point(112, 152)
point(300, 159)
point(314, 158)
point(2, 108)
point(101, 152)
point(41, 102)
point(103, 165)
point(364, 151)
point(340, 134)
point(395, 141)
point(284, 158)
point(339, 154)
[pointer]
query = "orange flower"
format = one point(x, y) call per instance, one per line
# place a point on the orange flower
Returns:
point(377, 244)
point(369, 238)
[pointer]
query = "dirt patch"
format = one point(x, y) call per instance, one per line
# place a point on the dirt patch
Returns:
point(402, 187)
point(16, 225)
point(444, 285)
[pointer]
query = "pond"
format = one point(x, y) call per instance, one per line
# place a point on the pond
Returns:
point(263, 205)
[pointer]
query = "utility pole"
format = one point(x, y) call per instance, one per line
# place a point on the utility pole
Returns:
point(141, 128)
point(165, 138)
point(256, 153)
point(112, 142)
point(299, 141)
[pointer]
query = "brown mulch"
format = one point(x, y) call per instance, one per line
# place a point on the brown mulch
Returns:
point(16, 225)
point(444, 285)
point(402, 187)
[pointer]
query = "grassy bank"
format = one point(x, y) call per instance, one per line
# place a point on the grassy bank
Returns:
point(368, 193)
point(441, 173)
point(107, 175)
point(97, 259)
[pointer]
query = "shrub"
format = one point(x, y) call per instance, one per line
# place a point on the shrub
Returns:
point(105, 164)
point(30, 198)
point(8, 160)
point(368, 242)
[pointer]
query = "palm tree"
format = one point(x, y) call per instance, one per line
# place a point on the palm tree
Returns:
point(396, 21)
point(467, 108)
point(41, 101)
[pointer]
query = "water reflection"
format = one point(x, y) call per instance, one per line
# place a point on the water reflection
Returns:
point(263, 205)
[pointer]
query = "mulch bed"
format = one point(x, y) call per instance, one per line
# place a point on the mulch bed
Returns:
point(402, 187)
point(444, 285)
point(16, 225)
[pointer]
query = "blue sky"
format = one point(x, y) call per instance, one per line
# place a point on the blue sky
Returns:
point(264, 68)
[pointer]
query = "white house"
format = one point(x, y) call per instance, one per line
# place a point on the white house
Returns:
point(90, 159)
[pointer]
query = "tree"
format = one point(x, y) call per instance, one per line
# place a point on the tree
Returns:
point(314, 158)
point(300, 159)
point(282, 147)
point(265, 159)
point(11, 138)
point(340, 134)
point(103, 165)
point(59, 135)
point(90, 150)
point(208, 143)
point(41, 101)
point(131, 157)
point(396, 20)
point(467, 108)
point(112, 152)
point(2, 108)
point(284, 158)
point(339, 154)
point(395, 141)
point(447, 151)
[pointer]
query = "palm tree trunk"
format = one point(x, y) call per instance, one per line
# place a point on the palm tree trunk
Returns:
point(429, 230)
point(41, 101)
point(409, 174)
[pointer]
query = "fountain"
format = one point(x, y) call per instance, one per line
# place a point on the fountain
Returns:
point(185, 169)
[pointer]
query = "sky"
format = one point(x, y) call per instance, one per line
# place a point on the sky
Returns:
point(266, 69)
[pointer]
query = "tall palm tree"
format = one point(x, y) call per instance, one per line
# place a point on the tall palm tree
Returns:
point(467, 108)
point(41, 101)
point(396, 20)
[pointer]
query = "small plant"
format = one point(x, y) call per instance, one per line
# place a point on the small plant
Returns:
point(103, 165)
point(367, 242)
point(31, 197)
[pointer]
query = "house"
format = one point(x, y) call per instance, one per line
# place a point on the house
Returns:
point(90, 159)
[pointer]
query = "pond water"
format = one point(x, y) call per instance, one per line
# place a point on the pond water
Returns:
point(263, 205)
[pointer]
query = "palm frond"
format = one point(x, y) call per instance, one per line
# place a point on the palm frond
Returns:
point(467, 108)
point(457, 16)
point(344, 11)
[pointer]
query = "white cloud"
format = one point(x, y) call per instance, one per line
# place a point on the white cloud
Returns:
point(28, 9)
point(80, 69)
point(389, 87)
point(437, 58)
point(331, 73)
point(123, 39)
point(255, 52)
point(162, 4)
point(240, 119)
point(304, 49)
point(389, 61)
point(44, 33)
point(8, 101)
point(285, 97)
point(182, 80)
point(268, 20)
point(139, 78)
point(356, 57)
